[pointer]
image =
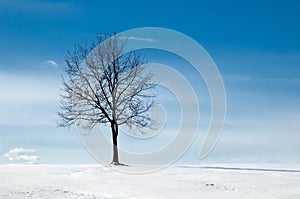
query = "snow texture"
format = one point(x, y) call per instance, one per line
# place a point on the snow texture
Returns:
point(97, 181)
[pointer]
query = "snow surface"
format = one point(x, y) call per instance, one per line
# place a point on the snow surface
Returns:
point(97, 181)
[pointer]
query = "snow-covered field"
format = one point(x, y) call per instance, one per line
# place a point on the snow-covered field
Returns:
point(97, 181)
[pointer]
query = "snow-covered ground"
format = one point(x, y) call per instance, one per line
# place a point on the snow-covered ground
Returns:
point(96, 181)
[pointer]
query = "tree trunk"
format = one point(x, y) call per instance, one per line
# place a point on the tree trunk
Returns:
point(114, 131)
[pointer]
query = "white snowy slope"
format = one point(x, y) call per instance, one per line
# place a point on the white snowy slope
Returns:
point(96, 181)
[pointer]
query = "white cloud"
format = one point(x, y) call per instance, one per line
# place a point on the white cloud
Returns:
point(50, 63)
point(21, 150)
point(138, 38)
point(21, 155)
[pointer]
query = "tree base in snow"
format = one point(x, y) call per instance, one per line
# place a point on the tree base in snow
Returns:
point(117, 164)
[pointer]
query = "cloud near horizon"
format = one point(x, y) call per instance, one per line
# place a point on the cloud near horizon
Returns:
point(21, 155)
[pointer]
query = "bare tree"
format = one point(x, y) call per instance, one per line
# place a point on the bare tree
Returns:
point(103, 86)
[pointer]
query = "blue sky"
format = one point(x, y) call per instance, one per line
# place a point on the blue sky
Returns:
point(255, 45)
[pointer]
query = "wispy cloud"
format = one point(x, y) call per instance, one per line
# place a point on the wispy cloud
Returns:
point(122, 37)
point(237, 78)
point(245, 78)
point(138, 38)
point(50, 63)
point(21, 155)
